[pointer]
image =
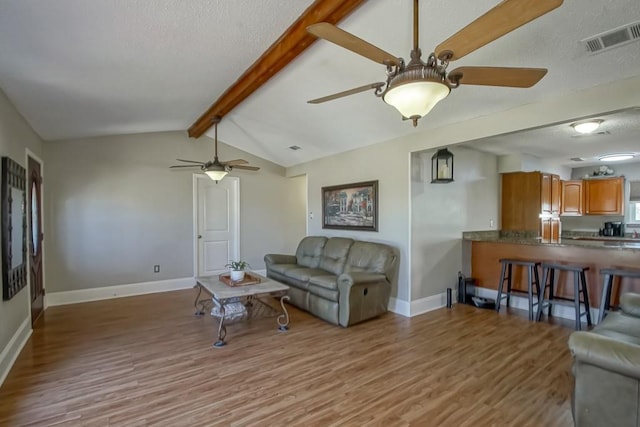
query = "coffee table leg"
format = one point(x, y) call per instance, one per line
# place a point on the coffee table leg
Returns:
point(222, 331)
point(283, 319)
point(199, 312)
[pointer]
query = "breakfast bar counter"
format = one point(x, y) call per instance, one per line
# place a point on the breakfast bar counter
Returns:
point(486, 248)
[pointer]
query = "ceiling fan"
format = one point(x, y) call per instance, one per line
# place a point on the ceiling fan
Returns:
point(415, 88)
point(216, 170)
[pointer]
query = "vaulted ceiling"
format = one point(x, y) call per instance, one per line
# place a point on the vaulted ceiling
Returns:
point(76, 68)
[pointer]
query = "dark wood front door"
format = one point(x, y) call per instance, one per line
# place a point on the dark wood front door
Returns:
point(35, 239)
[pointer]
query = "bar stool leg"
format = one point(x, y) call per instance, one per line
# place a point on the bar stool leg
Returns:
point(545, 274)
point(500, 285)
point(530, 290)
point(605, 299)
point(552, 292)
point(576, 298)
point(509, 283)
point(585, 297)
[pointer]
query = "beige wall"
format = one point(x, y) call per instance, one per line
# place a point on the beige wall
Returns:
point(115, 209)
point(389, 162)
point(15, 136)
point(441, 212)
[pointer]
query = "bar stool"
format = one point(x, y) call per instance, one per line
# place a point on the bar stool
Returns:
point(506, 275)
point(607, 286)
point(579, 287)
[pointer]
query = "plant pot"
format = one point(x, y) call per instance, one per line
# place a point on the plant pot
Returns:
point(237, 275)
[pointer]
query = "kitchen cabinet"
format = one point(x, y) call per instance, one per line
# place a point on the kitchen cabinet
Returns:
point(604, 196)
point(550, 229)
point(526, 198)
point(571, 202)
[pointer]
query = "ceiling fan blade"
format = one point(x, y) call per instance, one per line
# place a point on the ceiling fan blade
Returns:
point(347, 93)
point(249, 168)
point(186, 166)
point(331, 33)
point(497, 76)
point(502, 19)
point(234, 162)
point(190, 161)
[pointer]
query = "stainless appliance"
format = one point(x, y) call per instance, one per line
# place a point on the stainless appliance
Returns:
point(613, 229)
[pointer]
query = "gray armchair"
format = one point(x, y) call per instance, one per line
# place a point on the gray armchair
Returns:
point(607, 369)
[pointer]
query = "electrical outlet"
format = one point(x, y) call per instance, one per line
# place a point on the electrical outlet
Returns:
point(156, 268)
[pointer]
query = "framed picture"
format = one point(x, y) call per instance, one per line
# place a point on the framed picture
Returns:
point(351, 206)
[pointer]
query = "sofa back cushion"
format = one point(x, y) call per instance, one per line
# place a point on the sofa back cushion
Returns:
point(369, 257)
point(334, 254)
point(309, 251)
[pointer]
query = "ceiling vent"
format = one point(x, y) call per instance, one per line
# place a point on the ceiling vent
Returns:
point(577, 159)
point(613, 38)
point(294, 148)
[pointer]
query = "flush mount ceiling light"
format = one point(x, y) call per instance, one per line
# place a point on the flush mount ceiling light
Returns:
point(616, 157)
point(587, 126)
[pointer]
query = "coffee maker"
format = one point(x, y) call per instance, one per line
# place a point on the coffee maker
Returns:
point(613, 229)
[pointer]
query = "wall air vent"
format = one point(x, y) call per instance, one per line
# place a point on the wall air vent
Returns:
point(294, 147)
point(613, 38)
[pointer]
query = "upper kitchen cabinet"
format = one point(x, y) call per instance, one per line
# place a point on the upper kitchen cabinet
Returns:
point(527, 197)
point(604, 196)
point(571, 203)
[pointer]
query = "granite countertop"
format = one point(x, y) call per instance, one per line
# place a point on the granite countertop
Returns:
point(524, 238)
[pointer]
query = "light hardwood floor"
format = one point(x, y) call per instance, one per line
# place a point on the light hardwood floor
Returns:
point(147, 360)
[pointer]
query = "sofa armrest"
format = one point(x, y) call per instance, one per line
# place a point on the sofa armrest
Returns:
point(606, 352)
point(630, 304)
point(361, 297)
point(347, 280)
point(270, 259)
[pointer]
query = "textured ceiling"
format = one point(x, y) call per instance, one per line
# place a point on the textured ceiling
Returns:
point(78, 68)
point(559, 143)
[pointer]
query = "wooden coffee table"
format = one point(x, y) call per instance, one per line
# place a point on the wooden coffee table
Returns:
point(234, 303)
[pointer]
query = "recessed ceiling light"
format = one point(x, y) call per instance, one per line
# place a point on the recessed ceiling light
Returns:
point(616, 157)
point(587, 126)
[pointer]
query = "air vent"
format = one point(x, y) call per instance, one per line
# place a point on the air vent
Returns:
point(577, 159)
point(613, 38)
point(294, 148)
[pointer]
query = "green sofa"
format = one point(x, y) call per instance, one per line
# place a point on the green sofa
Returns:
point(340, 280)
point(606, 368)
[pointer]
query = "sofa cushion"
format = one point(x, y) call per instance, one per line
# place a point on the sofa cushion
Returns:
point(329, 281)
point(303, 274)
point(309, 251)
point(284, 268)
point(325, 293)
point(369, 257)
point(334, 254)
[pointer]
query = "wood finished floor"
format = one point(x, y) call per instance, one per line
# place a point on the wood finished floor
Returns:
point(147, 361)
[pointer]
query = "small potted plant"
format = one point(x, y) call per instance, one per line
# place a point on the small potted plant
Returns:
point(236, 270)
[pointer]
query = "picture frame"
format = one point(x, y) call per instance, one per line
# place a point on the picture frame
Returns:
point(351, 206)
point(14, 228)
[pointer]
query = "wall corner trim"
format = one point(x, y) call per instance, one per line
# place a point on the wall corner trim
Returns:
point(14, 347)
point(399, 306)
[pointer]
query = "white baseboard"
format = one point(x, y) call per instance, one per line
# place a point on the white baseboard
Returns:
point(400, 307)
point(522, 303)
point(117, 291)
point(14, 347)
point(430, 303)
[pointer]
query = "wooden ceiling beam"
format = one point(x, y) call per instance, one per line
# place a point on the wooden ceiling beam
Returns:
point(284, 50)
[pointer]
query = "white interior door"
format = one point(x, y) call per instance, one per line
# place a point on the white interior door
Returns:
point(217, 223)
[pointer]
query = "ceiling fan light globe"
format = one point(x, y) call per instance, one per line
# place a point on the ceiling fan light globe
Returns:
point(216, 172)
point(416, 98)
